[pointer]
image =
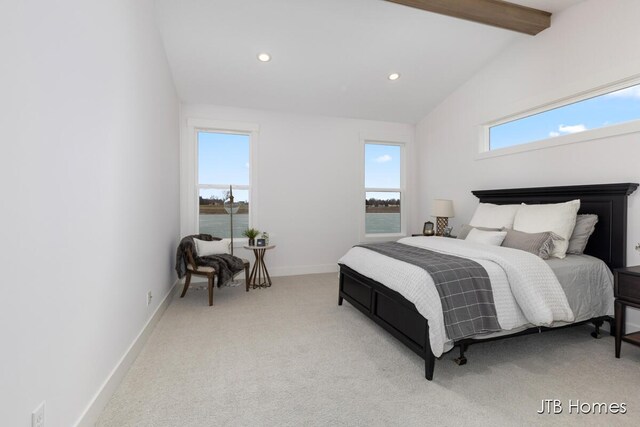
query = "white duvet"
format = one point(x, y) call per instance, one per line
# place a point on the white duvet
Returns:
point(525, 289)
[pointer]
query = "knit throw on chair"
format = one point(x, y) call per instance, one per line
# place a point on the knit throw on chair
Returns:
point(226, 265)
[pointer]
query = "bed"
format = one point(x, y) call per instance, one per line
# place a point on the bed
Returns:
point(381, 301)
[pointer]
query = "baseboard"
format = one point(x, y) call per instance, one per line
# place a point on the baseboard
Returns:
point(303, 269)
point(90, 415)
point(632, 319)
point(630, 327)
point(298, 270)
point(633, 327)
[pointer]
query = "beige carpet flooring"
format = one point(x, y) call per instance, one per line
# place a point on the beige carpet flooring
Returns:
point(289, 356)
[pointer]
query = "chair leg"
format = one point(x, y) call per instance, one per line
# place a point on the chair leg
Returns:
point(211, 290)
point(246, 276)
point(186, 284)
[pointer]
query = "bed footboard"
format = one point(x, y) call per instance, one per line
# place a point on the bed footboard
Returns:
point(390, 310)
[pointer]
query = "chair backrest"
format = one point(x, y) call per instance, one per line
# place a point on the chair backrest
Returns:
point(190, 259)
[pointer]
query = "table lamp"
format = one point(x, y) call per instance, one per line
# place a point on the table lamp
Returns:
point(442, 210)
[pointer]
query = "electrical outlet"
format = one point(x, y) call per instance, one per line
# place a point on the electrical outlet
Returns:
point(149, 298)
point(37, 416)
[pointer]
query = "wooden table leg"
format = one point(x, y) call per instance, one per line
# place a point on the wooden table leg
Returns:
point(259, 255)
point(252, 276)
point(267, 279)
point(619, 313)
point(259, 277)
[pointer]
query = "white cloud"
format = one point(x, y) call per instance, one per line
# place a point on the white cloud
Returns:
point(630, 92)
point(572, 128)
point(567, 129)
point(246, 165)
point(383, 159)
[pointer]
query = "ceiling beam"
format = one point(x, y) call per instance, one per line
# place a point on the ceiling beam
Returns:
point(491, 12)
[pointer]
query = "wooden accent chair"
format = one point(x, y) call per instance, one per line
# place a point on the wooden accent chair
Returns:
point(209, 273)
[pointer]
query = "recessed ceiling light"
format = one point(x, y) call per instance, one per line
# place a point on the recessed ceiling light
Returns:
point(394, 76)
point(264, 57)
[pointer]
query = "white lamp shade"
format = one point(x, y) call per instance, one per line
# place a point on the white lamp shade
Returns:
point(443, 208)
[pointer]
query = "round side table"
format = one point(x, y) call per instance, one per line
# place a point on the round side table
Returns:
point(259, 277)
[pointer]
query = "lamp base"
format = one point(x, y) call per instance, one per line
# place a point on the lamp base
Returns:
point(442, 222)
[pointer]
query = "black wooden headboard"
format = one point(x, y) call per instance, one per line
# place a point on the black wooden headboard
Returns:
point(608, 201)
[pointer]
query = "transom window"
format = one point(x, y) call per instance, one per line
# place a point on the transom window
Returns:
point(614, 107)
point(383, 181)
point(223, 161)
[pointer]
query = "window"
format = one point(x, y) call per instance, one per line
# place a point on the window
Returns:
point(383, 182)
point(223, 161)
point(606, 109)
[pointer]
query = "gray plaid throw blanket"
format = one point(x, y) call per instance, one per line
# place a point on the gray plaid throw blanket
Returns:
point(463, 285)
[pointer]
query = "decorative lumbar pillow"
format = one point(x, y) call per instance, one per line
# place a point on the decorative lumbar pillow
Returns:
point(465, 229)
point(494, 216)
point(540, 244)
point(559, 218)
point(493, 238)
point(214, 247)
point(585, 226)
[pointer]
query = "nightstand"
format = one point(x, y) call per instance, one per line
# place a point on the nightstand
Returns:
point(627, 293)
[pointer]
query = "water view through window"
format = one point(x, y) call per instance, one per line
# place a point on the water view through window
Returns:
point(214, 218)
point(382, 213)
point(223, 160)
point(382, 189)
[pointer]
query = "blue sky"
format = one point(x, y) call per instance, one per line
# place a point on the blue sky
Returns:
point(604, 110)
point(223, 159)
point(382, 169)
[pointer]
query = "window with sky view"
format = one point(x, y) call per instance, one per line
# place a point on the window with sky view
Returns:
point(223, 160)
point(613, 108)
point(382, 188)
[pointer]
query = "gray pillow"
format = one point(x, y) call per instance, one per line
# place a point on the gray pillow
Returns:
point(466, 228)
point(540, 244)
point(585, 225)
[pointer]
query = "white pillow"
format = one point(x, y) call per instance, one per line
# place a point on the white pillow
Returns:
point(494, 216)
point(559, 218)
point(493, 238)
point(214, 247)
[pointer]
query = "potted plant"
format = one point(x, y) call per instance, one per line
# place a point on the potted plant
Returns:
point(251, 234)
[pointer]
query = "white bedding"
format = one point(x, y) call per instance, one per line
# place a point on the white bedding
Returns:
point(588, 284)
point(525, 289)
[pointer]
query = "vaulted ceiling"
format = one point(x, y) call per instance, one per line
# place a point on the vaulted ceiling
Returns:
point(328, 57)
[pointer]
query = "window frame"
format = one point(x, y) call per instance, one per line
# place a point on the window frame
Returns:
point(484, 151)
point(402, 190)
point(214, 126)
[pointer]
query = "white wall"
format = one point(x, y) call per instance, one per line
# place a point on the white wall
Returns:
point(309, 182)
point(589, 45)
point(89, 178)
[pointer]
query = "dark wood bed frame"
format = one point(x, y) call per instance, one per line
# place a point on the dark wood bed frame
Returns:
point(399, 317)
